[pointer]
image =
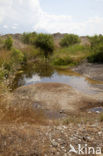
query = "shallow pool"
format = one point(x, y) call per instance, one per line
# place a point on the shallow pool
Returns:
point(45, 73)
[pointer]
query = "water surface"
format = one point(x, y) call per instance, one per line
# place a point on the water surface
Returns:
point(45, 73)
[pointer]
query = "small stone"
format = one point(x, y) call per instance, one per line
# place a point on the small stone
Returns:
point(55, 144)
point(99, 133)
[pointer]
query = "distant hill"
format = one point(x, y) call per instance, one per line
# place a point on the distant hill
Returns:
point(57, 37)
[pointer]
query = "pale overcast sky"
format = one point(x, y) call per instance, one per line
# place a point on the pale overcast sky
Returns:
point(83, 17)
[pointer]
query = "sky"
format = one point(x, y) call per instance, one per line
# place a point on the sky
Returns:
point(82, 17)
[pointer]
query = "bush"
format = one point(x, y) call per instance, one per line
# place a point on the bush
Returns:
point(46, 43)
point(17, 56)
point(8, 43)
point(97, 56)
point(9, 62)
point(29, 38)
point(69, 39)
point(95, 41)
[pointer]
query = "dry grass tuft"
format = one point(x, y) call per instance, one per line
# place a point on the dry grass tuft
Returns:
point(5, 56)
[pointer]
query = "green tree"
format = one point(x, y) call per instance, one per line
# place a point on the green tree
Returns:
point(8, 43)
point(46, 43)
point(69, 39)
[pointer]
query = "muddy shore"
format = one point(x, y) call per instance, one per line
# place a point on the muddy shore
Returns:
point(93, 71)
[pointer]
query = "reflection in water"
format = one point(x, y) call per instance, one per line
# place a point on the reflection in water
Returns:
point(40, 72)
point(96, 110)
point(44, 69)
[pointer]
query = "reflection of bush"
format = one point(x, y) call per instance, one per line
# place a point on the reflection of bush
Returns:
point(44, 69)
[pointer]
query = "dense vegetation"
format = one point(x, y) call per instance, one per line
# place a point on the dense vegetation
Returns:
point(69, 52)
point(96, 55)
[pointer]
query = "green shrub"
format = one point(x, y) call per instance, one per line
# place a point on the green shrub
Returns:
point(95, 41)
point(29, 38)
point(8, 43)
point(9, 62)
point(69, 39)
point(17, 56)
point(97, 49)
point(46, 43)
point(97, 55)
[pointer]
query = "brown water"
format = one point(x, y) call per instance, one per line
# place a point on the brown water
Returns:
point(36, 73)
